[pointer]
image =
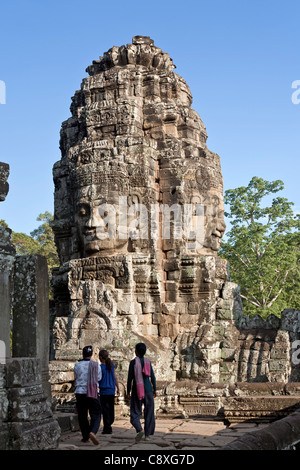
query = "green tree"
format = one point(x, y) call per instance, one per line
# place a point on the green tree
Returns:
point(39, 242)
point(262, 247)
point(25, 244)
point(3, 223)
point(44, 237)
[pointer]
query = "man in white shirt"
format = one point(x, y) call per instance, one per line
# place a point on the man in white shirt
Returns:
point(87, 374)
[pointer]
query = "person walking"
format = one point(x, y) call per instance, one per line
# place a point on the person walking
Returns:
point(87, 374)
point(141, 390)
point(107, 386)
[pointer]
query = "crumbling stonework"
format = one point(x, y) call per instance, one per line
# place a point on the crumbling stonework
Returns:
point(26, 417)
point(7, 257)
point(31, 338)
point(231, 402)
point(133, 135)
point(280, 435)
point(132, 144)
point(257, 350)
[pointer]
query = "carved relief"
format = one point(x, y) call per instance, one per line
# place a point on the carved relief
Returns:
point(133, 148)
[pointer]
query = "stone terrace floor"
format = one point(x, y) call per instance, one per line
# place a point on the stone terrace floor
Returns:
point(170, 435)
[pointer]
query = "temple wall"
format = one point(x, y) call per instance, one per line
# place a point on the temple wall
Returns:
point(133, 143)
point(26, 414)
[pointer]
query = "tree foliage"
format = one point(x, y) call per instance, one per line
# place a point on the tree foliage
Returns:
point(263, 247)
point(44, 236)
point(39, 242)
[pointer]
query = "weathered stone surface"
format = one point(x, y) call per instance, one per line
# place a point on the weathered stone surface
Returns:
point(31, 312)
point(7, 253)
point(184, 435)
point(283, 434)
point(36, 435)
point(27, 417)
point(258, 389)
point(3, 395)
point(259, 408)
point(134, 143)
point(4, 186)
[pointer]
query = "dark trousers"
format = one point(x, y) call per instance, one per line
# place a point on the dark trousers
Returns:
point(108, 412)
point(136, 407)
point(88, 406)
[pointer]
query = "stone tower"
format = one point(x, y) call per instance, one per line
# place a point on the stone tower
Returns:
point(138, 219)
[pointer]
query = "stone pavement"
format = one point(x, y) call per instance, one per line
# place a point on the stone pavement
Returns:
point(170, 435)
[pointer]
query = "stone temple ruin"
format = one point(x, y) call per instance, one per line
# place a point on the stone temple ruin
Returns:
point(26, 416)
point(138, 223)
point(134, 138)
point(134, 143)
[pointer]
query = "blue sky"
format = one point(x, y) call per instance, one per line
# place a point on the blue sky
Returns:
point(238, 57)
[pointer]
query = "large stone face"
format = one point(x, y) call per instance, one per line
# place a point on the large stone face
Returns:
point(138, 219)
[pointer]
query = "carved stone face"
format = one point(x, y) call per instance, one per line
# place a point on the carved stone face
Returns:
point(97, 224)
point(214, 223)
point(134, 135)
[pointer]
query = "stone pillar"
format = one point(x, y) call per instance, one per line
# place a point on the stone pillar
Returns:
point(7, 253)
point(29, 417)
point(26, 418)
point(4, 432)
point(4, 186)
point(6, 268)
point(31, 312)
